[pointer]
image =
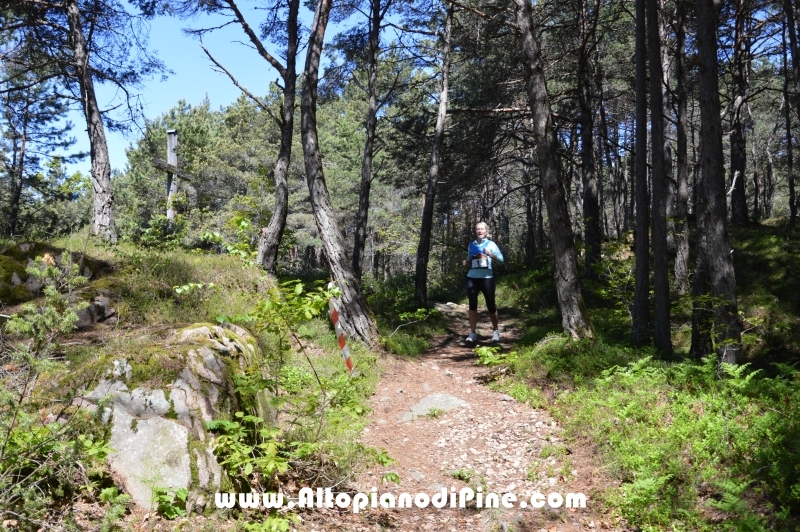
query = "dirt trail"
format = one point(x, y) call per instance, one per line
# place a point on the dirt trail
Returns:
point(493, 441)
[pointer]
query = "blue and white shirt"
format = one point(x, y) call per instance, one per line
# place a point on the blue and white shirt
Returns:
point(482, 268)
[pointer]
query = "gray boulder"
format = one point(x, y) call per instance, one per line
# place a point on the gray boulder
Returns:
point(159, 436)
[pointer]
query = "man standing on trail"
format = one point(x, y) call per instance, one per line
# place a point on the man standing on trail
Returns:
point(480, 278)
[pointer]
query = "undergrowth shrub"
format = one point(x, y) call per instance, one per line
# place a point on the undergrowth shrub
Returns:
point(303, 410)
point(45, 458)
point(689, 445)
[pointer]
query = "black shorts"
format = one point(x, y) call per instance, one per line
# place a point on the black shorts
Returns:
point(486, 286)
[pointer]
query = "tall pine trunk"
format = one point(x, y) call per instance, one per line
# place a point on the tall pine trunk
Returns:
point(592, 233)
point(270, 237)
point(658, 149)
point(712, 207)
point(574, 316)
point(786, 110)
point(103, 218)
point(355, 316)
point(682, 175)
point(426, 227)
point(369, 140)
point(740, 78)
point(18, 169)
point(641, 297)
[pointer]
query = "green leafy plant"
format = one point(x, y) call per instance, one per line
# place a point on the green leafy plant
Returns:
point(391, 476)
point(116, 506)
point(434, 412)
point(249, 445)
point(40, 458)
point(464, 475)
point(169, 503)
point(494, 356)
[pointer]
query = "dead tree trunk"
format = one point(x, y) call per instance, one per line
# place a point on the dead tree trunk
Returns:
point(426, 228)
point(103, 219)
point(574, 316)
point(356, 318)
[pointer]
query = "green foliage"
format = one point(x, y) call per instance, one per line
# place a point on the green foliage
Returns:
point(464, 475)
point(249, 446)
point(40, 461)
point(391, 476)
point(274, 522)
point(162, 233)
point(669, 430)
point(145, 282)
point(116, 507)
point(493, 356)
point(169, 503)
point(44, 323)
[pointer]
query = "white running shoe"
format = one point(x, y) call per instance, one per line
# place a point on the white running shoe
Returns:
point(496, 336)
point(472, 338)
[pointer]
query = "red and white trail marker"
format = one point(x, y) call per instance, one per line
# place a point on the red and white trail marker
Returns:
point(339, 331)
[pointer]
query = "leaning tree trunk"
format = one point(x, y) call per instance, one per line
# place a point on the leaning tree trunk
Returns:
point(270, 237)
point(574, 316)
point(682, 177)
point(719, 259)
point(369, 140)
point(661, 322)
point(356, 318)
point(641, 295)
point(426, 227)
point(103, 220)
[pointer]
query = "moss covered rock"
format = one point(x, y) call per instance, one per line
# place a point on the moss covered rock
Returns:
point(159, 434)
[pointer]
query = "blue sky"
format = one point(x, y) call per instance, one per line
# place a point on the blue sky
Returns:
point(193, 78)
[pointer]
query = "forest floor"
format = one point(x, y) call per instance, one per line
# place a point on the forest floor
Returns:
point(492, 441)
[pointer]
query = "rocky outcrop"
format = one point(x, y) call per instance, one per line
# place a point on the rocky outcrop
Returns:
point(159, 435)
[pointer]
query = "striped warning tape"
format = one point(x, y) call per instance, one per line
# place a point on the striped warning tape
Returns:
point(339, 331)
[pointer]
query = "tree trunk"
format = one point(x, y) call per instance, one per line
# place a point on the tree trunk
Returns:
point(18, 168)
point(712, 208)
point(591, 208)
point(269, 238)
point(786, 110)
point(682, 175)
point(426, 227)
point(661, 337)
point(369, 141)
point(355, 316)
point(103, 220)
point(756, 186)
point(530, 227)
point(642, 226)
point(740, 85)
point(574, 316)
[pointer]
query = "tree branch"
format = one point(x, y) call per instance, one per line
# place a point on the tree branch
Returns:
point(258, 101)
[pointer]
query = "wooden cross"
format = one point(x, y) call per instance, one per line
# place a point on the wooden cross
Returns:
point(170, 166)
